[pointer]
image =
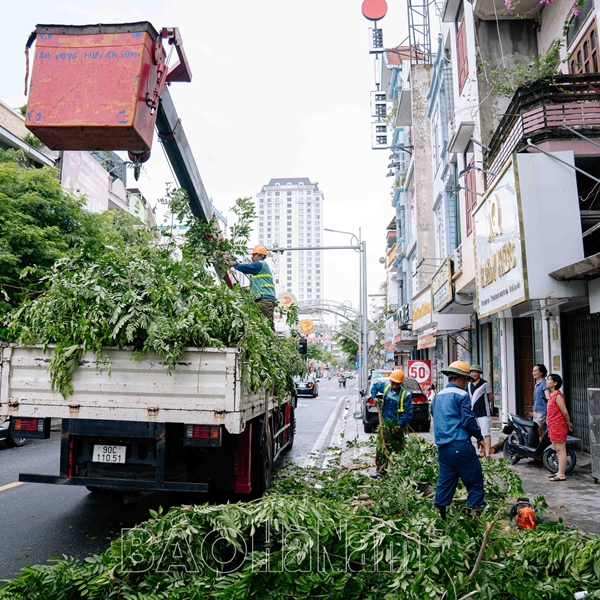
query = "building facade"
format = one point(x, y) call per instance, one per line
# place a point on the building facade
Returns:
point(290, 215)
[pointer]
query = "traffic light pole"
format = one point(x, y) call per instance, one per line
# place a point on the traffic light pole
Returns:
point(363, 320)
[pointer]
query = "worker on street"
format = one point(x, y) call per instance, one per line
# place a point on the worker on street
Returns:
point(453, 426)
point(396, 413)
point(262, 287)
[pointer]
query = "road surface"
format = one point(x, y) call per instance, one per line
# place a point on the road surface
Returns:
point(42, 521)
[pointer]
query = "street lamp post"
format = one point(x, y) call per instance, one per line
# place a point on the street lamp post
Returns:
point(363, 322)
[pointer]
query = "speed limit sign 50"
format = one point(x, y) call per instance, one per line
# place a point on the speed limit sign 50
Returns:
point(421, 371)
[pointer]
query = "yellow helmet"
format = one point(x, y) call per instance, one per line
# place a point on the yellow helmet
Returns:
point(259, 250)
point(397, 376)
point(458, 367)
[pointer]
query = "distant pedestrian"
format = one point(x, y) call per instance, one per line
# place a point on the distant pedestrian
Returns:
point(481, 399)
point(539, 397)
point(559, 423)
point(453, 425)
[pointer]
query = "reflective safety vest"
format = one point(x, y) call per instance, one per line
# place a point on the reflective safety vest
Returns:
point(387, 388)
point(262, 283)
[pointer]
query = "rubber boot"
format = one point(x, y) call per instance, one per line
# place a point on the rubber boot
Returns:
point(442, 510)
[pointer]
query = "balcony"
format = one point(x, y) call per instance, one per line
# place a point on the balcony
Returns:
point(490, 10)
point(539, 112)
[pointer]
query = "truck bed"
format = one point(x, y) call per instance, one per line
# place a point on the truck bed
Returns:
point(205, 387)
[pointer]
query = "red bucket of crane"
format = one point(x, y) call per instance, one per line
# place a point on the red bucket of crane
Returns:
point(96, 87)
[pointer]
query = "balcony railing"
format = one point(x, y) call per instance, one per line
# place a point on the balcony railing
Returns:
point(538, 111)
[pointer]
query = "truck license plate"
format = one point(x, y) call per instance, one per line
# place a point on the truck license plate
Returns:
point(109, 454)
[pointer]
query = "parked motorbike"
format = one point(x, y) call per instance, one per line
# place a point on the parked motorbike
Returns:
point(523, 441)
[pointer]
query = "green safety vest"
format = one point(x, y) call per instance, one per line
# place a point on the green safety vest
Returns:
point(387, 388)
point(262, 283)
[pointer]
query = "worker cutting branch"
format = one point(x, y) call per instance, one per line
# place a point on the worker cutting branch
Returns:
point(261, 277)
point(396, 413)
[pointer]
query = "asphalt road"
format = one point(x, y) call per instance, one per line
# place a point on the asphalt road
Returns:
point(41, 521)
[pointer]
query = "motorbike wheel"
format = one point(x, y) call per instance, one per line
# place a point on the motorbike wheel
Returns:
point(512, 457)
point(550, 459)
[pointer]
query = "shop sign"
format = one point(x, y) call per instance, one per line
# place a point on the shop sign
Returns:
point(306, 326)
point(499, 249)
point(441, 286)
point(421, 371)
point(389, 339)
point(404, 315)
point(426, 338)
point(421, 310)
point(286, 300)
point(405, 337)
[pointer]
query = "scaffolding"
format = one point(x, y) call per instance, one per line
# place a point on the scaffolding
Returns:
point(419, 31)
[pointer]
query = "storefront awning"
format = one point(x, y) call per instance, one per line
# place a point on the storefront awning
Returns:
point(588, 268)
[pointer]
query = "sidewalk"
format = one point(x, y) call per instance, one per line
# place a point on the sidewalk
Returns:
point(576, 501)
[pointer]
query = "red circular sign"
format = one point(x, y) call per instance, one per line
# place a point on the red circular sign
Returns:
point(374, 9)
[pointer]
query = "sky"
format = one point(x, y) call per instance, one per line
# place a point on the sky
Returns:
point(279, 89)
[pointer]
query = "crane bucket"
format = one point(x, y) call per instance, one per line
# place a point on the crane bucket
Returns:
point(96, 87)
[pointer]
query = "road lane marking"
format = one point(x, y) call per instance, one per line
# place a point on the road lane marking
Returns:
point(8, 486)
point(312, 458)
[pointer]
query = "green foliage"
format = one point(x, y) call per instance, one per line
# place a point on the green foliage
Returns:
point(332, 534)
point(506, 81)
point(39, 223)
point(32, 140)
point(346, 338)
point(204, 241)
point(85, 281)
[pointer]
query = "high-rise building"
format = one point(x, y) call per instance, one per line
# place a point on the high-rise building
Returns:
point(290, 215)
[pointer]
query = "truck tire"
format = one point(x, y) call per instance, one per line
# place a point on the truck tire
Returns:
point(262, 466)
point(292, 429)
point(15, 442)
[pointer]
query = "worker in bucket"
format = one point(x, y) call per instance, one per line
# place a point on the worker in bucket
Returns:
point(454, 424)
point(262, 287)
point(395, 414)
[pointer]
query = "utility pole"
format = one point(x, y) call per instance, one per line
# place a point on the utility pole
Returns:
point(363, 318)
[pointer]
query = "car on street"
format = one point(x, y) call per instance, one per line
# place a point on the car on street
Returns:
point(307, 386)
point(421, 419)
point(5, 436)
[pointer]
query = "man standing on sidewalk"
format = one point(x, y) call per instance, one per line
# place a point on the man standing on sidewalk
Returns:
point(453, 425)
point(481, 399)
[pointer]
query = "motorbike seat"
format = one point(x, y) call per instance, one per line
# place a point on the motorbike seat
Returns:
point(524, 422)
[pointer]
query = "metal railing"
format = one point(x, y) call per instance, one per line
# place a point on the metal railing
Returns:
point(539, 109)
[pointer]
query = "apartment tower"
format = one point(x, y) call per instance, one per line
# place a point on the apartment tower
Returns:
point(290, 215)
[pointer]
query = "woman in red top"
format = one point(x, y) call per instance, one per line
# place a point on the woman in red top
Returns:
point(558, 422)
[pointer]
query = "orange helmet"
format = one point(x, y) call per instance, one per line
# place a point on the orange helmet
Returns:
point(259, 250)
point(397, 376)
point(458, 367)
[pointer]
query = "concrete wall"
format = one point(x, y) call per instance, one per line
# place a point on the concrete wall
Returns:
point(423, 177)
point(504, 44)
point(12, 121)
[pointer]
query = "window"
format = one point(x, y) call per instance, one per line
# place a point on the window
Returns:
point(470, 188)
point(277, 193)
point(435, 139)
point(289, 259)
point(289, 212)
point(289, 193)
point(462, 57)
point(289, 278)
point(584, 57)
point(289, 228)
point(308, 192)
point(269, 193)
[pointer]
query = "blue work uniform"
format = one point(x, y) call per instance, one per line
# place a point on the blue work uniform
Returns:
point(453, 426)
point(397, 406)
point(261, 277)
